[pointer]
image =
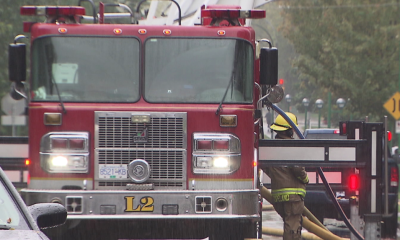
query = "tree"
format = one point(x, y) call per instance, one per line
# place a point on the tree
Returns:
point(10, 26)
point(349, 48)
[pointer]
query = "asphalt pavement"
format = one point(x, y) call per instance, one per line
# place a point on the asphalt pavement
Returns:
point(272, 220)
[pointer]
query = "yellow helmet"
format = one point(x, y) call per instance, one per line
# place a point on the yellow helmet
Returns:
point(281, 124)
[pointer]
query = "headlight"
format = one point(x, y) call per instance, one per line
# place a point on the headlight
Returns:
point(65, 152)
point(59, 161)
point(221, 162)
point(212, 162)
point(216, 153)
point(204, 162)
point(64, 163)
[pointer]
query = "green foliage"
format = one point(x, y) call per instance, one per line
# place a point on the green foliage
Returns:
point(349, 48)
point(10, 26)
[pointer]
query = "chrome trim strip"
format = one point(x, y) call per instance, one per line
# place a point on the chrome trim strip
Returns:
point(188, 216)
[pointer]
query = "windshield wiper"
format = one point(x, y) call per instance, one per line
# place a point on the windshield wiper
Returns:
point(231, 80)
point(226, 91)
point(50, 59)
point(58, 94)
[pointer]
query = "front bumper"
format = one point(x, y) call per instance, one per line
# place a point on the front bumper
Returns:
point(81, 204)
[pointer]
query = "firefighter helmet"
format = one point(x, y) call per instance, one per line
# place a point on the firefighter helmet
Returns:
point(281, 124)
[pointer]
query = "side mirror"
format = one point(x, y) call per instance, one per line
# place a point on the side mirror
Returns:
point(17, 62)
point(48, 215)
point(17, 91)
point(269, 66)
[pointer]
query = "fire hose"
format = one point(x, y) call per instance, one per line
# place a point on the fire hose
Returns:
point(310, 223)
point(336, 204)
point(321, 174)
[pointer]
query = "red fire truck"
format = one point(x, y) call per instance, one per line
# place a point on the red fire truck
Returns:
point(145, 125)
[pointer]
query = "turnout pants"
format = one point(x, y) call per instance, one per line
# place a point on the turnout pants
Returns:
point(291, 213)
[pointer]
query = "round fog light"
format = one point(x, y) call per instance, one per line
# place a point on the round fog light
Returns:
point(221, 204)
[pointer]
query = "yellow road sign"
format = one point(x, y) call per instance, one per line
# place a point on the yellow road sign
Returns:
point(393, 105)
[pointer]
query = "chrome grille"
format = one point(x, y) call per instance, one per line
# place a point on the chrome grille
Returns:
point(164, 164)
point(118, 132)
point(164, 150)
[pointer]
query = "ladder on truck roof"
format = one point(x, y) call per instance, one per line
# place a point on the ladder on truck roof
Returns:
point(363, 150)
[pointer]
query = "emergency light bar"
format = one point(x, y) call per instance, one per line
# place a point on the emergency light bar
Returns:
point(52, 10)
point(232, 13)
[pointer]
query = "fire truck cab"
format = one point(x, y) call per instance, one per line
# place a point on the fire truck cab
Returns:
point(145, 125)
point(153, 131)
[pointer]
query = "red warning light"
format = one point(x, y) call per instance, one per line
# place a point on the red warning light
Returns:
point(354, 182)
point(343, 128)
point(389, 135)
point(52, 10)
point(281, 81)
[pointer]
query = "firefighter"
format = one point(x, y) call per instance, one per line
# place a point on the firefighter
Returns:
point(288, 185)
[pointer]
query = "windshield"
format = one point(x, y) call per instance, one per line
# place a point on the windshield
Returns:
point(85, 69)
point(10, 215)
point(198, 70)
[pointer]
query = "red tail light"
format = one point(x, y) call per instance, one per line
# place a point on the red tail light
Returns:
point(389, 134)
point(394, 177)
point(336, 131)
point(354, 182)
point(342, 128)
